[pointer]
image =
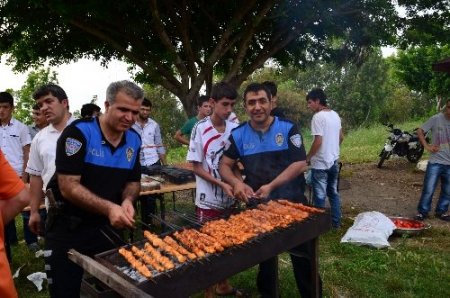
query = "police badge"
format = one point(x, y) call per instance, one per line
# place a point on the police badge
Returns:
point(279, 139)
point(130, 152)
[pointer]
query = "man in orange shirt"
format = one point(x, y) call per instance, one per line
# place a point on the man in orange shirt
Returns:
point(13, 198)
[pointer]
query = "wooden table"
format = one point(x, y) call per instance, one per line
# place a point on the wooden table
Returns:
point(168, 187)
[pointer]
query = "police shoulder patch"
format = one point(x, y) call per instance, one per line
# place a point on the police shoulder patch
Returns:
point(296, 140)
point(72, 146)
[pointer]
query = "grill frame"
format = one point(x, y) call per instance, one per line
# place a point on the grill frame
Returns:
point(195, 276)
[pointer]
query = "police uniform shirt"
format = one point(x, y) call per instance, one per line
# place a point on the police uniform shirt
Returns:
point(266, 155)
point(82, 150)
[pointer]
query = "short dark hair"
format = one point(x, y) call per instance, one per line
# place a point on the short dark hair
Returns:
point(223, 89)
point(6, 97)
point(36, 107)
point(271, 86)
point(88, 109)
point(201, 99)
point(146, 102)
point(317, 94)
point(52, 89)
point(127, 87)
point(256, 87)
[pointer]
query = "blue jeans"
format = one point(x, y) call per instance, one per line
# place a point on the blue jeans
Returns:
point(435, 171)
point(325, 183)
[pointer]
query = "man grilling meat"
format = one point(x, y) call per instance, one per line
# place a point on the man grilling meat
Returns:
point(98, 179)
point(273, 155)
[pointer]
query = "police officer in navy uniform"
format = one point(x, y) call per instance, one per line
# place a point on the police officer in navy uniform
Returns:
point(98, 179)
point(274, 158)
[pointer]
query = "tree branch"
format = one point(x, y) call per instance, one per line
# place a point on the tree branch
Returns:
point(246, 39)
point(158, 26)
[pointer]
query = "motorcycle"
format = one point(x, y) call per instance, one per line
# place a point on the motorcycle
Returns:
point(401, 143)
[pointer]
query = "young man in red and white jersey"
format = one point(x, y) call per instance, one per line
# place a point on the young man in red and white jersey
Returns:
point(208, 139)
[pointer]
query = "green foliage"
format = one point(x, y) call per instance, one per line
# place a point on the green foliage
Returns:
point(425, 23)
point(24, 96)
point(181, 44)
point(413, 68)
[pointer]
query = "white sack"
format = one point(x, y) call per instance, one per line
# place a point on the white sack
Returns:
point(370, 228)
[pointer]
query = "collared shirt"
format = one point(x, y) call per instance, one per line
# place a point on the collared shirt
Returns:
point(13, 137)
point(43, 152)
point(33, 130)
point(152, 145)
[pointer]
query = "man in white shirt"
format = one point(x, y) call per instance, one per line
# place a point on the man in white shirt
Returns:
point(324, 153)
point(54, 104)
point(153, 154)
point(15, 142)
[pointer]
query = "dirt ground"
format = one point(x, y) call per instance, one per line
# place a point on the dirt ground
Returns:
point(393, 190)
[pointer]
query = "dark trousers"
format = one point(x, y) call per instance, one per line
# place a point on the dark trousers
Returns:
point(64, 276)
point(148, 202)
point(267, 279)
point(148, 207)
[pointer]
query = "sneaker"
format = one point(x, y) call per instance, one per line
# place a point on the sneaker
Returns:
point(420, 216)
point(443, 216)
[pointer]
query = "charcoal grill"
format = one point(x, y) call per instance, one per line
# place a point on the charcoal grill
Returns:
point(194, 276)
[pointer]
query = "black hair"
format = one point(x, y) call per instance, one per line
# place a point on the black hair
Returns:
point(52, 89)
point(201, 99)
point(146, 102)
point(256, 87)
point(88, 109)
point(223, 89)
point(271, 86)
point(36, 107)
point(317, 94)
point(6, 97)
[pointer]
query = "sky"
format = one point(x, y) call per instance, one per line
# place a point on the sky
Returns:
point(83, 79)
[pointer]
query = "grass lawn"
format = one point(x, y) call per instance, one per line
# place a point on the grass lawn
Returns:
point(413, 267)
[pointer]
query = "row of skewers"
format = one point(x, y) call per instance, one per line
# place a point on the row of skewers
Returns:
point(162, 254)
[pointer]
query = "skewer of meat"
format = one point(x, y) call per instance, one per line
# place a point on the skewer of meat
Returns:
point(147, 259)
point(170, 241)
point(163, 260)
point(135, 263)
point(189, 244)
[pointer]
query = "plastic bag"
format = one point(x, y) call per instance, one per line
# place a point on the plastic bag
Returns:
point(370, 228)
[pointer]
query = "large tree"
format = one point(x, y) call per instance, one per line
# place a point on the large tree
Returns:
point(179, 44)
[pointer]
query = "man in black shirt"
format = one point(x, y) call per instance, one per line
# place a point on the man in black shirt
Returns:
point(98, 179)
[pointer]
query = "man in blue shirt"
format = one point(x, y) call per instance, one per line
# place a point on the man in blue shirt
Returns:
point(274, 159)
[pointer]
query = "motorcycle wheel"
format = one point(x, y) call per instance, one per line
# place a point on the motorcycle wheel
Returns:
point(383, 156)
point(414, 155)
